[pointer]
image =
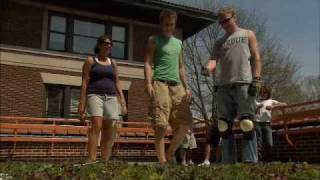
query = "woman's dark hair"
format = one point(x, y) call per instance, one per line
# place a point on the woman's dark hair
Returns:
point(267, 91)
point(100, 40)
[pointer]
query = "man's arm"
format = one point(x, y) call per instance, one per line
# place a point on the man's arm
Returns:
point(255, 55)
point(182, 73)
point(148, 61)
point(211, 65)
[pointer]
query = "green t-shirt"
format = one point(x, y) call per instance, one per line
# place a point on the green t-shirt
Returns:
point(166, 58)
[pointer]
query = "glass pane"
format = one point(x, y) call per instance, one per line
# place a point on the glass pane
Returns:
point(57, 41)
point(54, 101)
point(88, 28)
point(118, 50)
point(83, 45)
point(74, 101)
point(118, 33)
point(58, 24)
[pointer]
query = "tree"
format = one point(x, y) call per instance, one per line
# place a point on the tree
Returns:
point(312, 87)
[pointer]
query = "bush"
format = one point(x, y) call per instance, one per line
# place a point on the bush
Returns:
point(123, 171)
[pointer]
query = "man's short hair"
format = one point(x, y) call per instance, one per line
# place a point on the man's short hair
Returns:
point(168, 13)
point(226, 10)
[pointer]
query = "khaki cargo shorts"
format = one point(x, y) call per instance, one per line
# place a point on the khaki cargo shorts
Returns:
point(169, 106)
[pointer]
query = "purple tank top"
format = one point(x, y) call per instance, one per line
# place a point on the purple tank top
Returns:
point(102, 79)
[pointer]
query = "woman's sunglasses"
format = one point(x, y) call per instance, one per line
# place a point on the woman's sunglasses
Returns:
point(107, 43)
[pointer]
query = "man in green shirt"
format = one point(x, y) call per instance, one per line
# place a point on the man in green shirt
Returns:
point(167, 87)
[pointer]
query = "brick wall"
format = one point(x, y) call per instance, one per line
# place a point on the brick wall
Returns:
point(21, 25)
point(140, 39)
point(138, 101)
point(22, 91)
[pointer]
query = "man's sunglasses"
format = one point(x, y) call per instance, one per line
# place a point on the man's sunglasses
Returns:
point(225, 20)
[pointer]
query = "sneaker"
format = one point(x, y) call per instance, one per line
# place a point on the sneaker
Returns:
point(190, 163)
point(184, 163)
point(205, 163)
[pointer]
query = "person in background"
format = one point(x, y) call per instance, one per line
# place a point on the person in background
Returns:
point(188, 145)
point(213, 141)
point(263, 123)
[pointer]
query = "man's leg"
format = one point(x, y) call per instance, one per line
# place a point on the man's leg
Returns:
point(246, 111)
point(178, 155)
point(268, 141)
point(207, 153)
point(218, 153)
point(259, 140)
point(159, 114)
point(159, 133)
point(180, 118)
point(227, 114)
point(177, 139)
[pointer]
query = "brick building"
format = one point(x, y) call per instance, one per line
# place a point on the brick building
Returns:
point(44, 44)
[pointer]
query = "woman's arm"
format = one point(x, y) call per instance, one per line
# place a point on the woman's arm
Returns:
point(84, 86)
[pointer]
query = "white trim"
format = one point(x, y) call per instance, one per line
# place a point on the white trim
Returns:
point(36, 58)
point(50, 78)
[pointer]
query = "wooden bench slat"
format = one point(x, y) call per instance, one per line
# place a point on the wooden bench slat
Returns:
point(42, 127)
point(41, 139)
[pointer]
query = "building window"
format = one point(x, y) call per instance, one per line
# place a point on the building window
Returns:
point(85, 35)
point(79, 35)
point(57, 33)
point(119, 41)
point(62, 101)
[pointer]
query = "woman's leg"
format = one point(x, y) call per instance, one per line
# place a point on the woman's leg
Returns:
point(107, 138)
point(94, 132)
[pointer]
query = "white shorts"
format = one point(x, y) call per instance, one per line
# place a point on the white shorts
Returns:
point(103, 106)
point(189, 142)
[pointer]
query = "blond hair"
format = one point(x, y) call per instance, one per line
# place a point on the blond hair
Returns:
point(226, 10)
point(167, 13)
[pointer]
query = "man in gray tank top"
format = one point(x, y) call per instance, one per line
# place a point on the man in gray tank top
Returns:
point(238, 83)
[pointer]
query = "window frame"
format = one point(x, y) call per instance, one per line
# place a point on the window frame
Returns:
point(66, 100)
point(70, 19)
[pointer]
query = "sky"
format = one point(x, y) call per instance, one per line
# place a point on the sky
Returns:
point(294, 23)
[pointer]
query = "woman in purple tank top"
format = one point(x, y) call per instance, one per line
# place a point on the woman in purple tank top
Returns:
point(100, 92)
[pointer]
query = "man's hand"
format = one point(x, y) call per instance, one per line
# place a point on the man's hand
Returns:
point(205, 71)
point(188, 95)
point(150, 90)
point(255, 86)
point(210, 67)
point(269, 108)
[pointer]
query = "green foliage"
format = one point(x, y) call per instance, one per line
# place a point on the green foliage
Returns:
point(123, 171)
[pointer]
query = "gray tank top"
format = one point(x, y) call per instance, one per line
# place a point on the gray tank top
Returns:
point(234, 58)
